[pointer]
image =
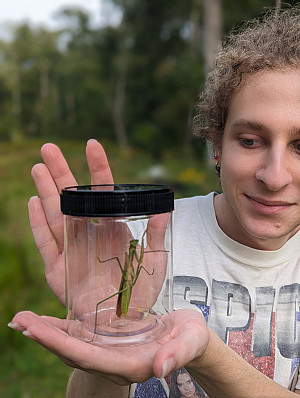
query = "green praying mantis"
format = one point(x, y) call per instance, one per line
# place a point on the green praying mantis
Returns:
point(129, 276)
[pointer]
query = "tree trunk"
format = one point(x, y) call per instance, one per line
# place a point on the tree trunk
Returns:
point(194, 49)
point(212, 43)
point(278, 6)
point(118, 103)
point(16, 131)
point(212, 31)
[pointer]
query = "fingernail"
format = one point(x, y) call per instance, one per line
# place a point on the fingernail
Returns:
point(92, 139)
point(26, 333)
point(34, 170)
point(33, 198)
point(14, 325)
point(167, 367)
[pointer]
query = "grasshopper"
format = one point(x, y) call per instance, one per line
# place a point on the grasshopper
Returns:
point(129, 277)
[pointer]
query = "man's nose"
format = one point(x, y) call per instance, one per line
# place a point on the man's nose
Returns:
point(274, 171)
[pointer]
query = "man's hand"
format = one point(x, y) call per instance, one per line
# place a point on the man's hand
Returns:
point(45, 216)
point(187, 338)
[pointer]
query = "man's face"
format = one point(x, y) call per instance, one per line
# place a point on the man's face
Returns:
point(260, 161)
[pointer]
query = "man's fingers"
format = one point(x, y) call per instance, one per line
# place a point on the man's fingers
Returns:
point(60, 171)
point(43, 237)
point(189, 340)
point(47, 332)
point(49, 196)
point(98, 163)
point(47, 246)
point(61, 324)
point(49, 179)
point(27, 319)
point(156, 231)
point(57, 166)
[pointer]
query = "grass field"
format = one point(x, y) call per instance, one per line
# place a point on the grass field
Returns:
point(26, 369)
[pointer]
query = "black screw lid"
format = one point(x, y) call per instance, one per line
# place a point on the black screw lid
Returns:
point(115, 200)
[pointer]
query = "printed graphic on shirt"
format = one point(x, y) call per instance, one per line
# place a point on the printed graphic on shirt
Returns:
point(179, 384)
point(250, 333)
point(183, 385)
point(151, 388)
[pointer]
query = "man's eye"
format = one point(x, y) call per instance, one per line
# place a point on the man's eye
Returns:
point(297, 147)
point(248, 142)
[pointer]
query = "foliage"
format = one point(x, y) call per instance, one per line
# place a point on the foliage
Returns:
point(135, 83)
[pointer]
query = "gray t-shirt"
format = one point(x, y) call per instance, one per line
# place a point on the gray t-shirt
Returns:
point(249, 297)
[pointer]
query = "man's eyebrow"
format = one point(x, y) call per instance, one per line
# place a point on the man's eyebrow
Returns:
point(250, 125)
point(295, 130)
point(260, 127)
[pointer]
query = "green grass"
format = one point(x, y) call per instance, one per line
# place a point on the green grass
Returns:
point(26, 369)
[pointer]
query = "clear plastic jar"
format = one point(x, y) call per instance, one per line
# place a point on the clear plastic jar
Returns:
point(118, 262)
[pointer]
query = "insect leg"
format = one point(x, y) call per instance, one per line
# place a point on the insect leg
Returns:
point(102, 301)
point(109, 259)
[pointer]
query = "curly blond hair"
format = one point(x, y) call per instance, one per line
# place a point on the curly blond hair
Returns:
point(269, 43)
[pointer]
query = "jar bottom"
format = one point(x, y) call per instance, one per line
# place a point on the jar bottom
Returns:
point(140, 326)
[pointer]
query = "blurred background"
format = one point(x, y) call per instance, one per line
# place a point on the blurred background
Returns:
point(126, 72)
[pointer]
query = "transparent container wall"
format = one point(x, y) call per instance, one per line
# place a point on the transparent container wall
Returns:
point(118, 278)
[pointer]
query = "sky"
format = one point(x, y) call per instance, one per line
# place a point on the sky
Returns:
point(40, 12)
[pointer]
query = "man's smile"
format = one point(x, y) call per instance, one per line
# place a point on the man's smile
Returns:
point(268, 206)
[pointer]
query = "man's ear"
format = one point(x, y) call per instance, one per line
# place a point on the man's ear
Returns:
point(217, 156)
point(217, 159)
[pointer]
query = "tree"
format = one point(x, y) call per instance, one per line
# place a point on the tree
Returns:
point(212, 31)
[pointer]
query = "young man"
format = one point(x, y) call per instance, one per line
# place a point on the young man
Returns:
point(240, 265)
